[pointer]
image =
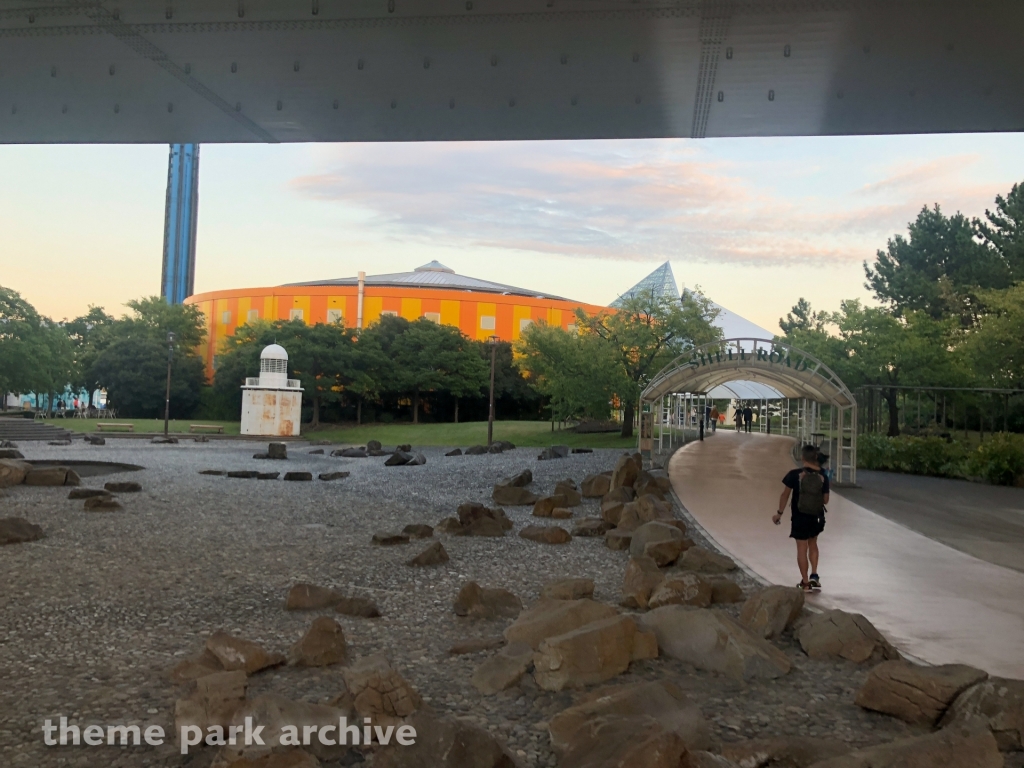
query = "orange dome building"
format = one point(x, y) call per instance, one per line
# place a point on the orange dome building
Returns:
point(479, 308)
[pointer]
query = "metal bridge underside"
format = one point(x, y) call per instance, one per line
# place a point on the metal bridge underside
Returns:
point(184, 71)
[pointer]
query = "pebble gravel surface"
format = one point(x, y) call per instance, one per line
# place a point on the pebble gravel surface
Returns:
point(95, 614)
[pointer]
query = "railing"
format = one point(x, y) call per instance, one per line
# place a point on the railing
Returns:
point(254, 381)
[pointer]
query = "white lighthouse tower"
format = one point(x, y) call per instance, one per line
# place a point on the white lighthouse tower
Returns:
point(271, 402)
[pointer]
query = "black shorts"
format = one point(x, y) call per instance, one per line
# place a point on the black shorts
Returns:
point(806, 526)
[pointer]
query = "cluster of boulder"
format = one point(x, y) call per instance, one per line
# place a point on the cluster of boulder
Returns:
point(252, 474)
point(497, 446)
point(434, 554)
point(14, 470)
point(105, 499)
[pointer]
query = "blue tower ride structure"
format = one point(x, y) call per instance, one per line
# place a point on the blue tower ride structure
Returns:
point(180, 219)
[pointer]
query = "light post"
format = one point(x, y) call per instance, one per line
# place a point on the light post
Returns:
point(493, 341)
point(167, 400)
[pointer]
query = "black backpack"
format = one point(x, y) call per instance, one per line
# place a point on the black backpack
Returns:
point(812, 493)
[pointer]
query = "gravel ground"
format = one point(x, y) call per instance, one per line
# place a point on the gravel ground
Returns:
point(95, 614)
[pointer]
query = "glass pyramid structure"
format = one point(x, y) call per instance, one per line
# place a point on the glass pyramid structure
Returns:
point(661, 282)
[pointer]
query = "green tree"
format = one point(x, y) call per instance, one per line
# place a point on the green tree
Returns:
point(432, 357)
point(996, 348)
point(1003, 231)
point(131, 358)
point(938, 269)
point(645, 333)
point(20, 339)
point(578, 374)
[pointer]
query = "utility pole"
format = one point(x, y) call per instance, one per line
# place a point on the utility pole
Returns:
point(493, 341)
point(167, 400)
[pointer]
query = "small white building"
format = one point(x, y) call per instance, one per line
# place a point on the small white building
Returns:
point(271, 402)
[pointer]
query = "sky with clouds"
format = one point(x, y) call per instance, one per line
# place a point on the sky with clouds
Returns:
point(757, 223)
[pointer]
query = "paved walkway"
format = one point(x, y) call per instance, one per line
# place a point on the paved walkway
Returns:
point(932, 601)
point(986, 521)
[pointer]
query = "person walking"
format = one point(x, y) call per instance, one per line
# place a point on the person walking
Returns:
point(748, 418)
point(714, 418)
point(737, 417)
point(807, 490)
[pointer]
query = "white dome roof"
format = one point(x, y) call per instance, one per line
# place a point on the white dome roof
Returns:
point(274, 352)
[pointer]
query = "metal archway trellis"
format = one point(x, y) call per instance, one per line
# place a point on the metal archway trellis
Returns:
point(796, 374)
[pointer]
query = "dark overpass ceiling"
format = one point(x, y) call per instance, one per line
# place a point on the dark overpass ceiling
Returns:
point(415, 70)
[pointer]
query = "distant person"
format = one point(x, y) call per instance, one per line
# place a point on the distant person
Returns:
point(714, 418)
point(75, 403)
point(737, 417)
point(809, 488)
point(748, 418)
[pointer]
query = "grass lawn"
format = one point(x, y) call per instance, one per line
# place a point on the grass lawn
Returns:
point(527, 433)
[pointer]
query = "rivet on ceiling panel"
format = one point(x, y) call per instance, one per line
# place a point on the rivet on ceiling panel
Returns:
point(728, 52)
point(335, 104)
point(241, 10)
point(53, 71)
point(111, 69)
point(117, 108)
point(721, 95)
point(771, 95)
point(315, 10)
point(636, 58)
point(565, 59)
point(391, 6)
point(573, 101)
point(295, 66)
point(170, 107)
point(31, 18)
point(280, 105)
point(169, 13)
point(117, 14)
point(469, 5)
point(394, 103)
point(234, 66)
point(14, 109)
point(426, 63)
point(64, 109)
point(494, 60)
point(359, 64)
point(786, 51)
point(238, 106)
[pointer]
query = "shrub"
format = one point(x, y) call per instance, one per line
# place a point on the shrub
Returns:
point(912, 455)
point(999, 460)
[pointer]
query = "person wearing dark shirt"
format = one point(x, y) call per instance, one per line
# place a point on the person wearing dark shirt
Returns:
point(807, 490)
point(748, 417)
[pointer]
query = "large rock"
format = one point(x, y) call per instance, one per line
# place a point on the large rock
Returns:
point(123, 486)
point(618, 539)
point(235, 653)
point(997, 704)
point(277, 451)
point(11, 453)
point(435, 554)
point(595, 486)
point(274, 713)
point(454, 452)
point(625, 742)
point(705, 561)
point(544, 506)
point(520, 479)
point(850, 636)
point(629, 516)
point(660, 700)
point(914, 693)
point(783, 751)
point(298, 477)
point(13, 472)
point(591, 526)
point(102, 504)
point(389, 538)
point(625, 472)
point(363, 607)
point(373, 445)
point(215, 700)
point(379, 692)
point(665, 553)
point(477, 602)
point(591, 654)
point(477, 645)
point(329, 476)
point(476, 450)
point(46, 476)
point(192, 668)
point(310, 597)
point(712, 640)
point(772, 611)
point(472, 513)
point(87, 493)
point(443, 743)
point(545, 534)
point(681, 589)
point(350, 453)
point(513, 496)
point(568, 589)
point(418, 531)
point(639, 581)
point(322, 645)
point(548, 618)
point(957, 747)
point(18, 530)
point(567, 488)
point(726, 591)
point(503, 670)
point(651, 508)
point(651, 533)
